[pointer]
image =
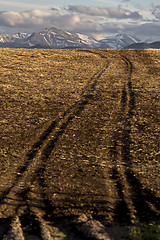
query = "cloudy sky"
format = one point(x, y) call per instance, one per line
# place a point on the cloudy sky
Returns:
point(97, 18)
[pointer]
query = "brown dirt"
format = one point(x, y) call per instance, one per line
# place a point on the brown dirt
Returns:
point(79, 143)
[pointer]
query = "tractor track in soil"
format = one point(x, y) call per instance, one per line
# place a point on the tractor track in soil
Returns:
point(27, 210)
point(42, 148)
point(141, 199)
point(19, 213)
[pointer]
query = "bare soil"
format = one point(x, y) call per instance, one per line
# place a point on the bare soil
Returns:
point(80, 147)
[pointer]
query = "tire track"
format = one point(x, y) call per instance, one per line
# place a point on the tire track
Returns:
point(35, 222)
point(141, 197)
point(41, 150)
point(36, 213)
point(124, 210)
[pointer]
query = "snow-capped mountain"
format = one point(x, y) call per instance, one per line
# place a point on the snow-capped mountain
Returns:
point(12, 38)
point(57, 38)
point(118, 41)
point(15, 40)
point(49, 38)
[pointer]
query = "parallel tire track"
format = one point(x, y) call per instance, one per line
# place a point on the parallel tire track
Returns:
point(26, 208)
point(12, 199)
point(141, 197)
point(40, 151)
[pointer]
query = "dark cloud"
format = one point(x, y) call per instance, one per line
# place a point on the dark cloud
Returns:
point(142, 30)
point(117, 13)
point(54, 9)
point(147, 29)
point(156, 11)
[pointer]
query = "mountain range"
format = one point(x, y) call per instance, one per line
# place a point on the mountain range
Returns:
point(60, 39)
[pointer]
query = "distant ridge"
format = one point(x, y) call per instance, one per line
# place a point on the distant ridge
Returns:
point(144, 45)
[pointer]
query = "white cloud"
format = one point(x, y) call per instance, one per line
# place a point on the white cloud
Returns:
point(34, 18)
point(109, 12)
point(24, 19)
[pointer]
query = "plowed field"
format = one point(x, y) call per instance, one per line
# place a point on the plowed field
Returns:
point(80, 142)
